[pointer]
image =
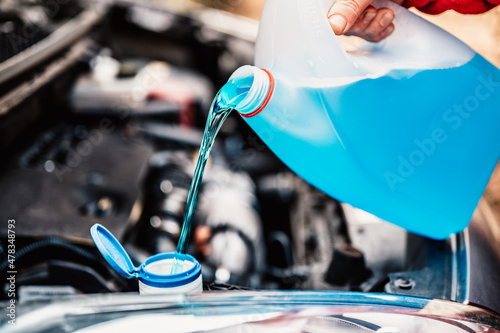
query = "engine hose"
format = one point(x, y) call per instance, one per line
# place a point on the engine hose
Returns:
point(246, 240)
point(57, 242)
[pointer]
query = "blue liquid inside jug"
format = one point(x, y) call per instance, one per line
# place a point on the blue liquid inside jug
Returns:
point(415, 148)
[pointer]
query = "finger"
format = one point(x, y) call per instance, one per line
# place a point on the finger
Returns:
point(381, 21)
point(344, 13)
point(362, 22)
point(385, 33)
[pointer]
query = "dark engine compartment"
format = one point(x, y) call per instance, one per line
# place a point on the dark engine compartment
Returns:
point(101, 124)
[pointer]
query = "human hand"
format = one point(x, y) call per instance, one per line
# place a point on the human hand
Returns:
point(359, 18)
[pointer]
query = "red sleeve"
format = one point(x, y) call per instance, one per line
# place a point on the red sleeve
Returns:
point(461, 6)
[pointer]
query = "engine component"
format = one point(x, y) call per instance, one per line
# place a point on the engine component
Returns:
point(235, 248)
point(165, 190)
point(347, 266)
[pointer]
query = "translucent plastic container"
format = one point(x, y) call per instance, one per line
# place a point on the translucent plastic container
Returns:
point(155, 278)
point(407, 129)
point(154, 274)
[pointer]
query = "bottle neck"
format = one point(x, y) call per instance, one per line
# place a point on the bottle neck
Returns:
point(259, 92)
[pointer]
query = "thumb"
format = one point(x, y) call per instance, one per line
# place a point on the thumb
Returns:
point(344, 13)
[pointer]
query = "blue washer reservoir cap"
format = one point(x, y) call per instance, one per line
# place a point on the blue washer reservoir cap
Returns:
point(113, 251)
point(154, 274)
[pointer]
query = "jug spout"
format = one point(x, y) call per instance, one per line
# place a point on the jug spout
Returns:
point(260, 87)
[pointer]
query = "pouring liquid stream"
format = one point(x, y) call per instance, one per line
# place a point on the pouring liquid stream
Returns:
point(224, 102)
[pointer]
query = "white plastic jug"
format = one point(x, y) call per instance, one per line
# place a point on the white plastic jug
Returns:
point(407, 129)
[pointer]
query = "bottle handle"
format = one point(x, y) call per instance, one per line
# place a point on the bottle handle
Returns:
point(295, 39)
point(415, 44)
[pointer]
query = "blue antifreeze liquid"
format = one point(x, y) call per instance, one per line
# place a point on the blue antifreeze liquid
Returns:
point(414, 148)
point(225, 101)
